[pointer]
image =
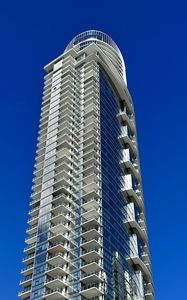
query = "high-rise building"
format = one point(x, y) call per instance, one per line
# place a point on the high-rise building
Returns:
point(87, 236)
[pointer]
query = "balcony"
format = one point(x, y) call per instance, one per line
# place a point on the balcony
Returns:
point(60, 227)
point(91, 168)
point(25, 293)
point(62, 208)
point(59, 247)
point(131, 192)
point(63, 237)
point(57, 294)
point(31, 239)
point(92, 290)
point(91, 214)
point(56, 282)
point(32, 229)
point(57, 271)
point(26, 281)
point(92, 203)
point(29, 259)
point(63, 198)
point(91, 232)
point(91, 254)
point(126, 139)
point(57, 259)
point(61, 217)
point(94, 277)
point(127, 119)
point(131, 167)
point(90, 191)
point(133, 224)
point(135, 260)
point(91, 242)
point(30, 248)
point(91, 266)
point(86, 225)
point(27, 270)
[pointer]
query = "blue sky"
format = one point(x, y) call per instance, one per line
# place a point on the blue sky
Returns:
point(152, 36)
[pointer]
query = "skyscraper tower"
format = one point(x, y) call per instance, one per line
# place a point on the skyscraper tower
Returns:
point(87, 236)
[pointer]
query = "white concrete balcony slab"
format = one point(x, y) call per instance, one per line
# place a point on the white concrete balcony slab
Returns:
point(25, 293)
point(57, 259)
point(61, 208)
point(29, 259)
point(90, 214)
point(61, 197)
point(30, 248)
point(90, 169)
point(56, 282)
point(127, 165)
point(95, 277)
point(31, 239)
point(123, 117)
point(91, 232)
point(131, 195)
point(27, 270)
point(59, 237)
point(58, 247)
point(90, 161)
point(90, 179)
point(61, 217)
point(133, 224)
point(33, 221)
point(92, 292)
point(90, 267)
point(93, 242)
point(89, 255)
point(125, 140)
point(60, 227)
point(138, 262)
point(32, 229)
point(92, 204)
point(26, 281)
point(56, 294)
point(92, 139)
point(34, 212)
point(90, 223)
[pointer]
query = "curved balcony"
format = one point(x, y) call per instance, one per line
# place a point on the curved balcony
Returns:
point(138, 262)
point(128, 141)
point(131, 223)
point(127, 165)
point(131, 195)
point(127, 119)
